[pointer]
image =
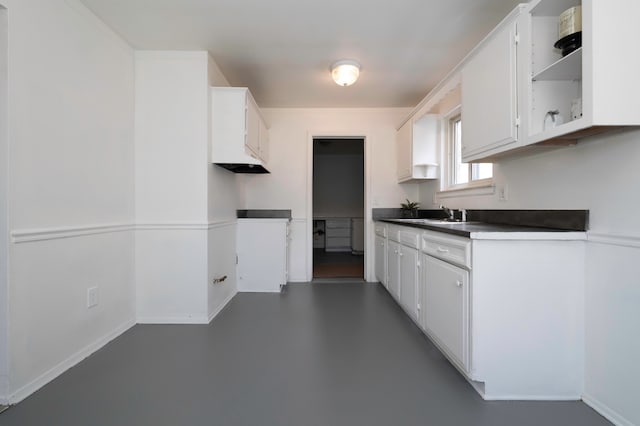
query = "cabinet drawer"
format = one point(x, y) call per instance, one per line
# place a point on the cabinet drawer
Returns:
point(393, 232)
point(410, 239)
point(381, 229)
point(338, 223)
point(451, 249)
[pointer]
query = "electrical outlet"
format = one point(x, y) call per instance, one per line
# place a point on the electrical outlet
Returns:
point(503, 194)
point(92, 297)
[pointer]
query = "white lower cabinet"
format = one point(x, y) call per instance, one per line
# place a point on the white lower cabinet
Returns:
point(393, 265)
point(381, 259)
point(381, 253)
point(263, 246)
point(505, 308)
point(409, 264)
point(446, 307)
point(403, 261)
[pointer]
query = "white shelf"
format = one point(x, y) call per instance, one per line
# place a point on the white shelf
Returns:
point(553, 8)
point(559, 131)
point(566, 68)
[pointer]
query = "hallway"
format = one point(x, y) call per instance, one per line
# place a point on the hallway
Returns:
point(315, 355)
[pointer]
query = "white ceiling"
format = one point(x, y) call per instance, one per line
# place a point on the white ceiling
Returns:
point(282, 49)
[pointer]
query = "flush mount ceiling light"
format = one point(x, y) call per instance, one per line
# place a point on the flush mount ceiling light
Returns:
point(345, 72)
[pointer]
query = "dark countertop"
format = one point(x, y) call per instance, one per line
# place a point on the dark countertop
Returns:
point(493, 221)
point(263, 214)
point(466, 229)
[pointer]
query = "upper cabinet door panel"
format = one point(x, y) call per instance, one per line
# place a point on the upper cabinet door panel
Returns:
point(489, 95)
point(403, 151)
point(253, 127)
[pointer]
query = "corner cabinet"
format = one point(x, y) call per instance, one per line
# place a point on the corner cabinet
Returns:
point(490, 110)
point(416, 149)
point(263, 254)
point(239, 134)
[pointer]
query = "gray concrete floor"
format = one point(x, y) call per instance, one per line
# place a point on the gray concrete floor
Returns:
point(316, 355)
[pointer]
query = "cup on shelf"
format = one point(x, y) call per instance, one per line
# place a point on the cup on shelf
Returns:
point(552, 119)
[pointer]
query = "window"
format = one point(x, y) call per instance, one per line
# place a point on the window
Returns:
point(461, 174)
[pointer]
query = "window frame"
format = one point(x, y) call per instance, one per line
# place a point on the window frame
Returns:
point(448, 177)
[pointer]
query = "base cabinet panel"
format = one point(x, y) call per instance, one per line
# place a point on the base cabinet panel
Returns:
point(393, 265)
point(381, 259)
point(446, 306)
point(262, 246)
point(409, 281)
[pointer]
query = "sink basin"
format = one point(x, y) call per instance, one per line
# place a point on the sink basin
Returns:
point(431, 221)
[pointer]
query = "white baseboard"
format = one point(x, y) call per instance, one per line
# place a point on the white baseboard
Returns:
point(219, 309)
point(174, 319)
point(606, 412)
point(531, 397)
point(63, 366)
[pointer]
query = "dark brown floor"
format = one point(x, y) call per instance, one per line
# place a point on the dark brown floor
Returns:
point(337, 264)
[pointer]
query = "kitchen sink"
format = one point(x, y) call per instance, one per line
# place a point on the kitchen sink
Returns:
point(431, 221)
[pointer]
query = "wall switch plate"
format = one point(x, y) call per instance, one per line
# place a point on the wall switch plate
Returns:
point(92, 297)
point(503, 194)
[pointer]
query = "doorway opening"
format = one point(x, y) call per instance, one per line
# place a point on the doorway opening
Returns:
point(338, 208)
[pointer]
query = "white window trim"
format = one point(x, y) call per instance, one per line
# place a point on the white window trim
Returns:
point(479, 187)
point(473, 188)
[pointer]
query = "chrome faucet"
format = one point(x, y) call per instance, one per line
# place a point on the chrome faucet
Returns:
point(448, 212)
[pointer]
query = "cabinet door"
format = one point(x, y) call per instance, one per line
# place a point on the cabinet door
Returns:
point(393, 265)
point(409, 280)
point(253, 128)
point(446, 305)
point(262, 255)
point(403, 150)
point(381, 259)
point(489, 95)
point(264, 142)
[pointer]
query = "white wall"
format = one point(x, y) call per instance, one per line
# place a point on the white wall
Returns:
point(600, 174)
point(338, 186)
point(4, 232)
point(171, 186)
point(225, 192)
point(185, 207)
point(171, 135)
point(221, 248)
point(287, 187)
point(70, 195)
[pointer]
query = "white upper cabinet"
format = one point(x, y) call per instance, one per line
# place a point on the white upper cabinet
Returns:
point(253, 127)
point(264, 142)
point(238, 132)
point(519, 92)
point(490, 111)
point(416, 149)
point(601, 76)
